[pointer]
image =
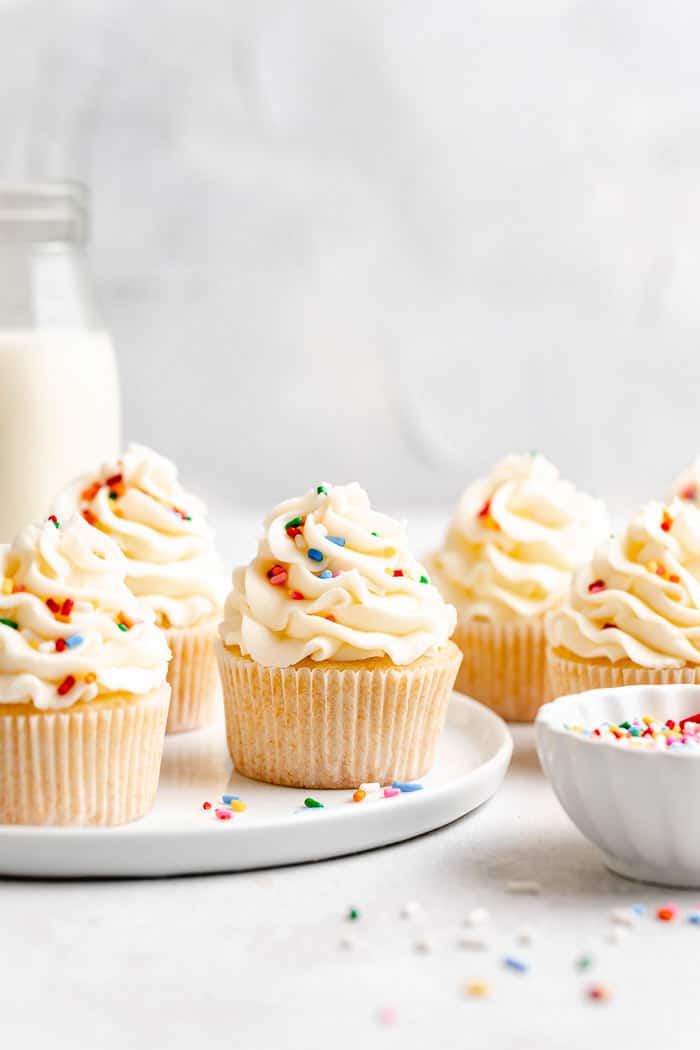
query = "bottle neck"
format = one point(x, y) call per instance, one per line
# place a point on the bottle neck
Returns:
point(45, 285)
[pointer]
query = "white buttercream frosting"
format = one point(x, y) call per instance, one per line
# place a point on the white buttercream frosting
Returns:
point(70, 629)
point(173, 565)
point(333, 580)
point(514, 541)
point(639, 598)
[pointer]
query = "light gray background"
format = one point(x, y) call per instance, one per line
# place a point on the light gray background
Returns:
point(383, 241)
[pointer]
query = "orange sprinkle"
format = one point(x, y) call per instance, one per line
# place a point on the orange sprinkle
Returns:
point(331, 618)
point(90, 678)
point(674, 579)
point(359, 795)
point(667, 521)
point(89, 517)
point(88, 494)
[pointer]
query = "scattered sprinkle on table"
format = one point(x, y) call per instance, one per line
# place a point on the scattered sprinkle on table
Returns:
point(667, 912)
point(646, 732)
point(387, 1015)
point(584, 962)
point(524, 886)
point(598, 992)
point(403, 786)
point(223, 814)
point(517, 965)
point(423, 946)
point(391, 792)
point(477, 989)
point(623, 917)
point(473, 942)
point(312, 803)
point(353, 914)
point(525, 935)
point(694, 918)
point(477, 917)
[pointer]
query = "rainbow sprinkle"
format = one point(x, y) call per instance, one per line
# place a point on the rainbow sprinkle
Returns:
point(647, 732)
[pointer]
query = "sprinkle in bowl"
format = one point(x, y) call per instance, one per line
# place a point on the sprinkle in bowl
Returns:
point(633, 796)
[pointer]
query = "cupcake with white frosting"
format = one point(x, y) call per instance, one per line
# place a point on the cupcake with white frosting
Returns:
point(172, 566)
point(633, 613)
point(507, 560)
point(335, 654)
point(83, 690)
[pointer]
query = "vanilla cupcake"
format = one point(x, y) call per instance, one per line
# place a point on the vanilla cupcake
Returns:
point(83, 691)
point(507, 560)
point(173, 567)
point(335, 655)
point(633, 613)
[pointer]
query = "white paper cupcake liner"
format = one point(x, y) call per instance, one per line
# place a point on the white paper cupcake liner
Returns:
point(575, 675)
point(192, 673)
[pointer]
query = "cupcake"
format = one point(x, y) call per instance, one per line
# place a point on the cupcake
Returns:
point(507, 560)
point(83, 690)
point(335, 655)
point(633, 613)
point(172, 566)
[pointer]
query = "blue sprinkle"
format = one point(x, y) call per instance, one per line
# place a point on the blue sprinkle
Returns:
point(325, 575)
point(406, 787)
point(314, 554)
point(74, 641)
point(515, 964)
point(230, 798)
point(338, 540)
point(694, 918)
point(638, 909)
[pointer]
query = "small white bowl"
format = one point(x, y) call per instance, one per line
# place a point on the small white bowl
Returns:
point(636, 805)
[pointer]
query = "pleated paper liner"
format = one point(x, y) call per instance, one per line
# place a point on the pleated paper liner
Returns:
point(335, 724)
point(96, 763)
point(192, 673)
point(571, 674)
point(504, 666)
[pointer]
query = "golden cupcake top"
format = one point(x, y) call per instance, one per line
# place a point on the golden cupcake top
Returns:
point(70, 629)
point(172, 564)
point(515, 539)
point(333, 579)
point(639, 597)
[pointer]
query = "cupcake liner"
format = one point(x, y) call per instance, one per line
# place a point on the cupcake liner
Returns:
point(504, 666)
point(96, 763)
point(574, 675)
point(196, 693)
point(335, 725)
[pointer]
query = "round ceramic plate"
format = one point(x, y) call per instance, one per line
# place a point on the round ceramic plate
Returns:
point(179, 837)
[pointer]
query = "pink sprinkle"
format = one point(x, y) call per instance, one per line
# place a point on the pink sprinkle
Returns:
point(387, 1015)
point(224, 814)
point(391, 792)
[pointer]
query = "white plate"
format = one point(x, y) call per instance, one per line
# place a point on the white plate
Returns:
point(178, 837)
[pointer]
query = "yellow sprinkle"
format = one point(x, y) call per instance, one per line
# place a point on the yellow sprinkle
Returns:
point(7, 586)
point(478, 989)
point(647, 720)
point(652, 566)
point(237, 806)
point(90, 678)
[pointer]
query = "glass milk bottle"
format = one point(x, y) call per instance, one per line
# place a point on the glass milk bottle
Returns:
point(59, 388)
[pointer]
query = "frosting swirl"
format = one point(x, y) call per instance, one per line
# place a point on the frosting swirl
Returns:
point(639, 598)
point(515, 540)
point(172, 563)
point(70, 629)
point(333, 580)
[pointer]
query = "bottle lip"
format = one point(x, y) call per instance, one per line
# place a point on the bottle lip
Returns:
point(50, 211)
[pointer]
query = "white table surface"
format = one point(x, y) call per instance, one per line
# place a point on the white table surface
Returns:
point(254, 960)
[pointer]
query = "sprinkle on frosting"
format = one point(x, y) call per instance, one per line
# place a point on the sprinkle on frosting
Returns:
point(172, 563)
point(59, 636)
point(649, 608)
point(515, 540)
point(365, 596)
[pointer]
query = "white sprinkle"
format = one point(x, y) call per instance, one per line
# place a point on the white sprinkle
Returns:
point(472, 942)
point(423, 946)
point(300, 541)
point(477, 917)
point(523, 886)
point(410, 909)
point(347, 943)
point(616, 935)
point(370, 789)
point(623, 917)
point(525, 935)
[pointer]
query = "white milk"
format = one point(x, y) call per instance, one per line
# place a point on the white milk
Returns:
point(59, 417)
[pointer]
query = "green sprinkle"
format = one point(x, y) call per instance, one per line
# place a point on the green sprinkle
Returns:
point(353, 914)
point(122, 627)
point(625, 725)
point(424, 579)
point(293, 524)
point(584, 962)
point(321, 490)
point(188, 517)
point(10, 623)
point(113, 495)
point(375, 533)
point(312, 803)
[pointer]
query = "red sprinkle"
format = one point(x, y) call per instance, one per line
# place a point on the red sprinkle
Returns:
point(206, 805)
point(53, 605)
point(224, 814)
point(53, 519)
point(331, 618)
point(89, 517)
point(293, 531)
point(596, 586)
point(66, 685)
point(689, 492)
point(60, 645)
point(668, 913)
point(297, 596)
point(67, 607)
point(607, 626)
point(690, 718)
point(398, 572)
point(277, 575)
point(115, 479)
point(485, 510)
point(673, 578)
